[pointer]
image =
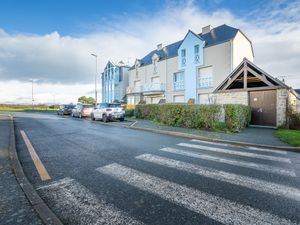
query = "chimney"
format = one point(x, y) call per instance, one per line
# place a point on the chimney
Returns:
point(159, 47)
point(206, 29)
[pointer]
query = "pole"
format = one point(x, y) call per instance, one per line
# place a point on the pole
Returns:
point(96, 77)
point(32, 99)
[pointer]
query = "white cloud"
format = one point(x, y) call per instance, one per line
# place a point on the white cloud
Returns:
point(65, 68)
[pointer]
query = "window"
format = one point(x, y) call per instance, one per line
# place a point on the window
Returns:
point(196, 53)
point(154, 66)
point(183, 57)
point(179, 81)
point(205, 77)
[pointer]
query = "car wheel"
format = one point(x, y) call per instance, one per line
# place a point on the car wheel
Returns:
point(104, 118)
point(122, 119)
point(80, 116)
point(92, 116)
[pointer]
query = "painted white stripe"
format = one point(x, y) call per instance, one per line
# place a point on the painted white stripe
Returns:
point(77, 205)
point(245, 164)
point(250, 148)
point(268, 150)
point(214, 207)
point(240, 153)
point(248, 182)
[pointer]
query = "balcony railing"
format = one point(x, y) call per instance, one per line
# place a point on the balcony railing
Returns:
point(154, 87)
point(134, 89)
point(205, 82)
point(178, 85)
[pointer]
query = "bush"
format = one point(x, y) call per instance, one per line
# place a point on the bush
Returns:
point(294, 120)
point(237, 116)
point(181, 115)
point(129, 112)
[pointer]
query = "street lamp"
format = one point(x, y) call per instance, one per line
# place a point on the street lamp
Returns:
point(96, 77)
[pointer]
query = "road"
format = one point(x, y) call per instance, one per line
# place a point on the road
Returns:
point(100, 174)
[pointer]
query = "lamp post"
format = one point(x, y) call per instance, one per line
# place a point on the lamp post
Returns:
point(96, 56)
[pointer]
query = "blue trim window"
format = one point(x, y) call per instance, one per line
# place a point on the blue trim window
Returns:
point(154, 66)
point(178, 81)
point(183, 57)
point(196, 53)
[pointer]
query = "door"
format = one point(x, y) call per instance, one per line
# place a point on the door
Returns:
point(263, 104)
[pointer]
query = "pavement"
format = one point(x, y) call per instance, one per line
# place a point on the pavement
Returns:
point(14, 206)
point(103, 174)
point(253, 135)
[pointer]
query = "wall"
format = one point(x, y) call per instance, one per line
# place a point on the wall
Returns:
point(241, 48)
point(190, 71)
point(241, 97)
point(282, 98)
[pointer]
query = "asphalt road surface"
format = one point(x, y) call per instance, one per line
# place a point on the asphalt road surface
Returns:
point(99, 174)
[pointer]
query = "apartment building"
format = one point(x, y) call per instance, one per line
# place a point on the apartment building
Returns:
point(114, 81)
point(190, 68)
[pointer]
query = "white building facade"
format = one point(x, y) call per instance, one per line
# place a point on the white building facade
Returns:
point(188, 69)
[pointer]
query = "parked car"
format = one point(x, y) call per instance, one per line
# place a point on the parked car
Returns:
point(108, 112)
point(82, 110)
point(65, 109)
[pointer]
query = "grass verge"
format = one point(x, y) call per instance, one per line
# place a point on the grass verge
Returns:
point(291, 137)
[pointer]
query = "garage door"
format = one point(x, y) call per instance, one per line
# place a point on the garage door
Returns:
point(263, 104)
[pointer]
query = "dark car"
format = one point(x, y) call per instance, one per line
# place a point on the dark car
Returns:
point(65, 109)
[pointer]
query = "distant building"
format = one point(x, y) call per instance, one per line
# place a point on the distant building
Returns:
point(188, 69)
point(114, 81)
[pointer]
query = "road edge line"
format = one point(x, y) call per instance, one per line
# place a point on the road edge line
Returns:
point(41, 208)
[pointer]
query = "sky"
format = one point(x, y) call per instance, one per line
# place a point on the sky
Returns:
point(51, 41)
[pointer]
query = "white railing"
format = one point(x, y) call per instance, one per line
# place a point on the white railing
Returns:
point(205, 82)
point(154, 87)
point(178, 85)
point(134, 89)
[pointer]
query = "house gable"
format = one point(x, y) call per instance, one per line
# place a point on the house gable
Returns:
point(247, 76)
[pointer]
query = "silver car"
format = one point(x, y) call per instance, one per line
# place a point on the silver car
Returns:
point(82, 110)
point(108, 112)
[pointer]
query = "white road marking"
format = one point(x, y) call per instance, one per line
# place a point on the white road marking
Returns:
point(214, 207)
point(80, 206)
point(249, 148)
point(239, 153)
point(248, 182)
point(245, 164)
point(268, 150)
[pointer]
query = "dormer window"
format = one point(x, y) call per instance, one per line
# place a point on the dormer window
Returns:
point(183, 57)
point(196, 53)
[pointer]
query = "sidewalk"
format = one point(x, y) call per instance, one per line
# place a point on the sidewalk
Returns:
point(261, 136)
point(14, 206)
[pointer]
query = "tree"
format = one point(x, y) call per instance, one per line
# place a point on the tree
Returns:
point(86, 100)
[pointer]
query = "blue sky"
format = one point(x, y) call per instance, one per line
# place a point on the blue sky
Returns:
point(69, 17)
point(52, 40)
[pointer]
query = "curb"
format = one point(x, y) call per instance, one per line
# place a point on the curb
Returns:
point(236, 143)
point(44, 212)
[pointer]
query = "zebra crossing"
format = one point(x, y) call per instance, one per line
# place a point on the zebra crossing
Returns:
point(67, 191)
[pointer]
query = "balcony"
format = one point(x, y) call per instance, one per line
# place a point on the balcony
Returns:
point(134, 89)
point(154, 88)
point(205, 82)
point(178, 85)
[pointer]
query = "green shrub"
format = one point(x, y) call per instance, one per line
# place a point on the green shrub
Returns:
point(129, 112)
point(181, 115)
point(237, 116)
point(294, 120)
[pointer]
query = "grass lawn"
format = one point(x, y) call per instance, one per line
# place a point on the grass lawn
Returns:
point(292, 137)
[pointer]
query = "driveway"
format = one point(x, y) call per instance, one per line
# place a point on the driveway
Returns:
point(101, 174)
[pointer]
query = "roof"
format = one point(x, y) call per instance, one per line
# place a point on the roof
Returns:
point(297, 91)
point(270, 79)
point(216, 36)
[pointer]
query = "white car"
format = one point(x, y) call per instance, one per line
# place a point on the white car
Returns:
point(108, 112)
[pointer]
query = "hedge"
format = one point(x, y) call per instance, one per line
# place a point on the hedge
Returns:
point(294, 120)
point(196, 116)
point(237, 116)
point(180, 115)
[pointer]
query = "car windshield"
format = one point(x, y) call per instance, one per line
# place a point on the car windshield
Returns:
point(114, 105)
